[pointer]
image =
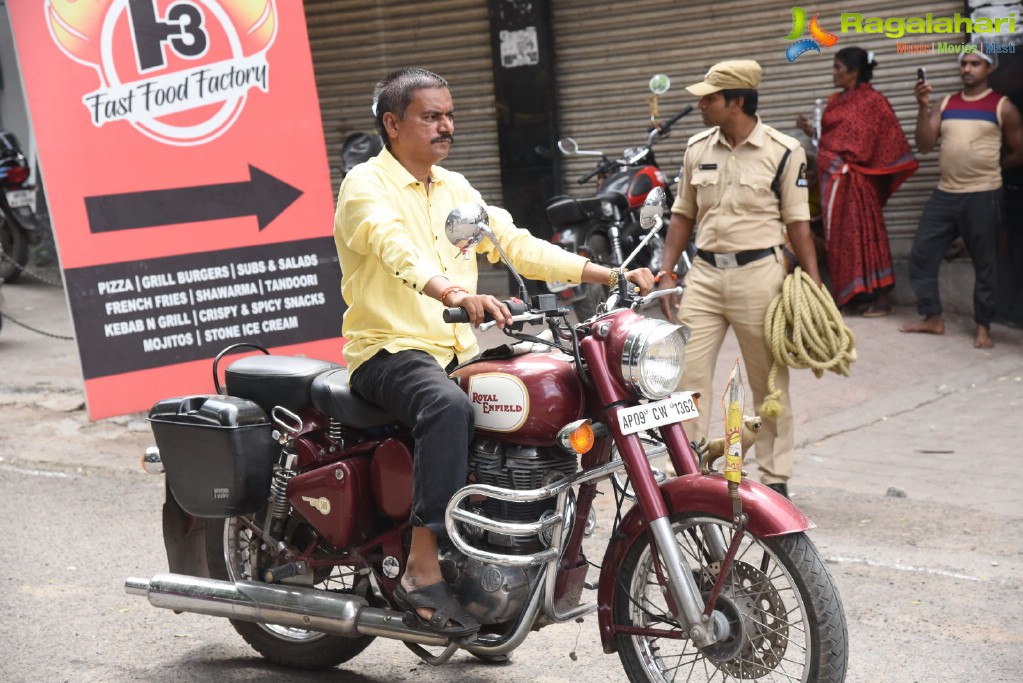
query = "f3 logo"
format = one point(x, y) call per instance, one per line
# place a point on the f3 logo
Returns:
point(818, 37)
point(182, 28)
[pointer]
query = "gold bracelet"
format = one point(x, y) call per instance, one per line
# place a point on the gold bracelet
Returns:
point(612, 279)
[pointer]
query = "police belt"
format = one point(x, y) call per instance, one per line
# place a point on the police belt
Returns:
point(739, 258)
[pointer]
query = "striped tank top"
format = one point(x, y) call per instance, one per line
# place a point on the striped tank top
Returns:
point(971, 143)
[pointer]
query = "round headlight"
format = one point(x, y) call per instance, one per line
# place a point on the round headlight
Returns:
point(653, 357)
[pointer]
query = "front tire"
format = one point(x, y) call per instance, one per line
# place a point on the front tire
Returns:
point(785, 616)
point(233, 554)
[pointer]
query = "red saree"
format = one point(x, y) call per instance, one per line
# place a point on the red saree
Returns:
point(862, 159)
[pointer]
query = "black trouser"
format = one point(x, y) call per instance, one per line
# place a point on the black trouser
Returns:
point(975, 217)
point(416, 390)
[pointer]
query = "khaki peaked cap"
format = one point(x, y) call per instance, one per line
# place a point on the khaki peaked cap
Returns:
point(735, 74)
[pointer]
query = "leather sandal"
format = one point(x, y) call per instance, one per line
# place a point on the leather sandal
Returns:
point(441, 599)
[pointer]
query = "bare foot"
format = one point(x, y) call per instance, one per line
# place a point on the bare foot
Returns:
point(983, 340)
point(932, 324)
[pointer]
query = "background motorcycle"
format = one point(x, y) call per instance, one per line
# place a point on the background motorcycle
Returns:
point(357, 148)
point(18, 227)
point(295, 495)
point(605, 226)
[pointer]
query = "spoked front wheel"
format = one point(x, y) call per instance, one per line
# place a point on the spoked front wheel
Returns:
point(784, 616)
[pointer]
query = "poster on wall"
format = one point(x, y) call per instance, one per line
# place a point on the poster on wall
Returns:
point(188, 185)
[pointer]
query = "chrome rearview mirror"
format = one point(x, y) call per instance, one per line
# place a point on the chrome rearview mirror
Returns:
point(467, 225)
point(652, 212)
point(659, 84)
point(569, 147)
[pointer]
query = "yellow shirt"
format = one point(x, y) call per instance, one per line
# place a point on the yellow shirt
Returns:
point(728, 191)
point(390, 239)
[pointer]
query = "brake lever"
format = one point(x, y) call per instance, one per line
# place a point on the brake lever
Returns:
point(657, 294)
point(515, 319)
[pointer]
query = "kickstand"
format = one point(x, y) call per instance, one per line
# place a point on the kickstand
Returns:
point(435, 660)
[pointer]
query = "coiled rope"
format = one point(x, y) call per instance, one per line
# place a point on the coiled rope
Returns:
point(804, 329)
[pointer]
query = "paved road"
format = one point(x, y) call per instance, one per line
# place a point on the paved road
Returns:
point(930, 581)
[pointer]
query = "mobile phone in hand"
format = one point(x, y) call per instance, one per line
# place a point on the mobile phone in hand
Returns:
point(921, 75)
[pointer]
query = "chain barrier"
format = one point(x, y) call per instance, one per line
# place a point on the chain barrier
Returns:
point(45, 281)
point(36, 330)
point(26, 271)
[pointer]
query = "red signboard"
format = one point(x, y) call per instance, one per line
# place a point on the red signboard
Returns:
point(187, 182)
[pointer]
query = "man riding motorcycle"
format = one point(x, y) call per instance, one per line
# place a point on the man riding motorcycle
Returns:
point(398, 273)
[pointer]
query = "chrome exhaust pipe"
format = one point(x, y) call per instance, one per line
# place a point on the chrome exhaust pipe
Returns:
point(280, 604)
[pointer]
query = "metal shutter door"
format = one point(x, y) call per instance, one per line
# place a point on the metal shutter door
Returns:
point(354, 44)
point(606, 53)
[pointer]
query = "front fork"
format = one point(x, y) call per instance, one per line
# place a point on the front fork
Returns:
point(704, 625)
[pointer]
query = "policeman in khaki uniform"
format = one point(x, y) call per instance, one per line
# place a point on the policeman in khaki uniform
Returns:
point(743, 185)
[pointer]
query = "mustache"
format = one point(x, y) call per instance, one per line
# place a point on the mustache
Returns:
point(444, 136)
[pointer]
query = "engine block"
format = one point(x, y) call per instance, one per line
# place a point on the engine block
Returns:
point(519, 468)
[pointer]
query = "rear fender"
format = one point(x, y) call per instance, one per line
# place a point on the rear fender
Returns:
point(184, 537)
point(770, 514)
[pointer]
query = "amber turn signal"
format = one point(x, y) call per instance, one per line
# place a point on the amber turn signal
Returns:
point(576, 437)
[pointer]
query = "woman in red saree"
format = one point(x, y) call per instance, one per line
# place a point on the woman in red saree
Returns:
point(862, 157)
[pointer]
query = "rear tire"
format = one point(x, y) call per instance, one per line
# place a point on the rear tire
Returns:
point(785, 615)
point(13, 249)
point(233, 554)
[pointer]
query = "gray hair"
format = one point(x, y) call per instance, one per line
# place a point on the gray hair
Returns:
point(393, 93)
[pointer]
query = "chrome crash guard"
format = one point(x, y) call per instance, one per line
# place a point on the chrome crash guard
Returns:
point(554, 529)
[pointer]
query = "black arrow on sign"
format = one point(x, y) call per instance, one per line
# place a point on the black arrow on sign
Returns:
point(263, 196)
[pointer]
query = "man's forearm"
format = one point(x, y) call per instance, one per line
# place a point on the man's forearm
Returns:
point(924, 135)
point(680, 229)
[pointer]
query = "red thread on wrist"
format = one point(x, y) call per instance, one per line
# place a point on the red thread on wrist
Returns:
point(672, 275)
point(449, 290)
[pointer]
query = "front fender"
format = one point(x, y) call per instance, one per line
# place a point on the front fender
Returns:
point(769, 513)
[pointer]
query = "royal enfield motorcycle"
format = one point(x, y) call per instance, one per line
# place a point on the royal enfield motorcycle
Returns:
point(18, 227)
point(288, 501)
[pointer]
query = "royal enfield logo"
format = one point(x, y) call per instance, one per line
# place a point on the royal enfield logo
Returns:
point(500, 401)
point(179, 71)
point(321, 505)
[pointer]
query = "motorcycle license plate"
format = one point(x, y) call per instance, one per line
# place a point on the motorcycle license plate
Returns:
point(19, 198)
point(676, 408)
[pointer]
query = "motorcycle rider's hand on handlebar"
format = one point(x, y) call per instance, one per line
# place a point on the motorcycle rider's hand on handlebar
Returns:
point(601, 275)
point(478, 306)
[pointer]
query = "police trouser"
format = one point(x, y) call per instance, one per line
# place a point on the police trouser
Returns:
point(714, 300)
point(416, 390)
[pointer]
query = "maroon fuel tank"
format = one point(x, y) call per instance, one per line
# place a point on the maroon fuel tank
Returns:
point(527, 397)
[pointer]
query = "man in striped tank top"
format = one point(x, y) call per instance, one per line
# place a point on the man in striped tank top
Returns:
point(972, 126)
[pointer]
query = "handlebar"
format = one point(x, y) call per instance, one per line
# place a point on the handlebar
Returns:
point(606, 165)
point(460, 315)
point(609, 165)
point(666, 126)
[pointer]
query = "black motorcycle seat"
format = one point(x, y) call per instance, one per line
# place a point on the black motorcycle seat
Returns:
point(570, 210)
point(275, 380)
point(333, 396)
point(564, 211)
